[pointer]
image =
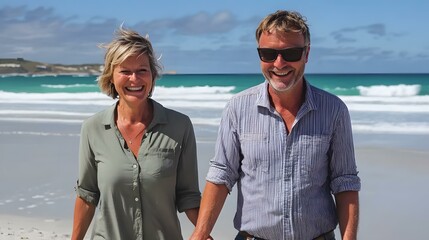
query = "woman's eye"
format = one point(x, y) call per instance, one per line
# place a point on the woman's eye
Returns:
point(125, 72)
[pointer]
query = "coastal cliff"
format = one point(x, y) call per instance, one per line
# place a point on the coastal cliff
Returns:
point(20, 66)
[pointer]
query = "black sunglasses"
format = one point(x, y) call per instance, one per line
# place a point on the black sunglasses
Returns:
point(288, 54)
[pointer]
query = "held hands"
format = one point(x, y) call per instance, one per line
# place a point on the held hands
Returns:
point(194, 237)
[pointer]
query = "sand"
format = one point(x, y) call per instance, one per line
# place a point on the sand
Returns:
point(18, 227)
point(38, 173)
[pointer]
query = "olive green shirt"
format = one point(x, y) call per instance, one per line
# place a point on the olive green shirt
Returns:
point(139, 198)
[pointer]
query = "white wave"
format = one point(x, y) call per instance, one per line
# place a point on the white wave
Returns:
point(32, 112)
point(412, 104)
point(38, 134)
point(62, 86)
point(401, 90)
point(194, 120)
point(199, 96)
point(45, 75)
point(179, 93)
point(387, 100)
point(107, 102)
point(399, 108)
point(12, 96)
point(206, 121)
point(88, 98)
point(192, 97)
point(41, 120)
point(395, 128)
point(193, 104)
point(65, 96)
point(192, 90)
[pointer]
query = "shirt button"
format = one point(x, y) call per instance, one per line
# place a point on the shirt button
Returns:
point(136, 199)
point(135, 183)
point(134, 166)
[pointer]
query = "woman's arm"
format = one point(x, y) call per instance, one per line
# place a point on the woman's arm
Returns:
point(192, 215)
point(83, 213)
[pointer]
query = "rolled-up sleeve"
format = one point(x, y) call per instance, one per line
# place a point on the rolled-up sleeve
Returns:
point(87, 187)
point(187, 190)
point(224, 167)
point(344, 174)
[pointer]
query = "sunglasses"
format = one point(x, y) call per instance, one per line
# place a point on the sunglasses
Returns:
point(288, 54)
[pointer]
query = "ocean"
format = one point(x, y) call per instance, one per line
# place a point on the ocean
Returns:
point(379, 104)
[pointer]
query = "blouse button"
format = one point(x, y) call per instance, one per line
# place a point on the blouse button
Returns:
point(136, 199)
point(134, 166)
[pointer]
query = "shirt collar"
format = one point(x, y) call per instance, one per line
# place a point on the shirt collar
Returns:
point(264, 99)
point(159, 115)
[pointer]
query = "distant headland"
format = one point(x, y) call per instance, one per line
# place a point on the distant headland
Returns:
point(24, 67)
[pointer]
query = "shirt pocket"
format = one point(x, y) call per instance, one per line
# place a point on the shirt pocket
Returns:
point(313, 155)
point(255, 150)
point(160, 162)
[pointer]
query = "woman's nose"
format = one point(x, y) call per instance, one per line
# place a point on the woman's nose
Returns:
point(133, 76)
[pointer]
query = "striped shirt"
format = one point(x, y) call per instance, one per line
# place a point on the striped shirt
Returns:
point(285, 181)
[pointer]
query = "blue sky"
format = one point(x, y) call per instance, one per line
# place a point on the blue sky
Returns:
point(206, 36)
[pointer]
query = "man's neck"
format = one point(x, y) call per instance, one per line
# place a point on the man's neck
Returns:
point(290, 100)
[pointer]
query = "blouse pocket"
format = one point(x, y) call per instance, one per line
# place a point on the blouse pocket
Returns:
point(160, 162)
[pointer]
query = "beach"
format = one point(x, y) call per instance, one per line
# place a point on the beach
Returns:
point(40, 120)
point(39, 169)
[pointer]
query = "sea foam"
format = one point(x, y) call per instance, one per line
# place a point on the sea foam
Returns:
point(401, 90)
point(204, 103)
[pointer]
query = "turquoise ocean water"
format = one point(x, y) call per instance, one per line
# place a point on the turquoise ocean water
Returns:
point(378, 103)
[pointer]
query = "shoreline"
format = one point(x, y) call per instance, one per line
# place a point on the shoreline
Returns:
point(20, 227)
point(380, 170)
point(393, 178)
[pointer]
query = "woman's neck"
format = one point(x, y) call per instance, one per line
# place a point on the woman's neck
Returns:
point(134, 114)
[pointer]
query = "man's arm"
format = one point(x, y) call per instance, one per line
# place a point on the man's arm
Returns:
point(83, 213)
point(348, 213)
point(211, 204)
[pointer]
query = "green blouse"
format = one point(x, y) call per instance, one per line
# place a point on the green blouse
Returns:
point(139, 198)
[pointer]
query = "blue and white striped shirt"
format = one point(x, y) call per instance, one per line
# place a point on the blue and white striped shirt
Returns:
point(285, 182)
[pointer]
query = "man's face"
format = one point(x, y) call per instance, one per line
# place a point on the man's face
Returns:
point(283, 75)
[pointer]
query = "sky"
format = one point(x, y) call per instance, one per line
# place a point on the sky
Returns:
point(218, 36)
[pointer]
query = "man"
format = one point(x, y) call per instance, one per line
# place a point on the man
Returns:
point(287, 145)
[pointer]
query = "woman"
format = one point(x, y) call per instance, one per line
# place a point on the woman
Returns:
point(137, 159)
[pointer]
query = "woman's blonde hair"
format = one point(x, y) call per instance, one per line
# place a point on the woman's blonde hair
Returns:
point(126, 43)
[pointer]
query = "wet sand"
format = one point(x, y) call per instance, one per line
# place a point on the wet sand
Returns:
point(39, 168)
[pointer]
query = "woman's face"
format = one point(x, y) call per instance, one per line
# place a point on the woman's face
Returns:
point(133, 79)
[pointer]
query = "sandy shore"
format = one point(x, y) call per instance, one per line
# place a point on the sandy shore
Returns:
point(37, 177)
point(17, 227)
point(393, 199)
